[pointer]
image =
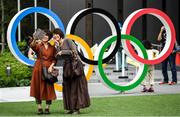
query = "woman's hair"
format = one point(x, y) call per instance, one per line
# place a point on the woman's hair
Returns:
point(48, 33)
point(39, 34)
point(147, 44)
point(59, 32)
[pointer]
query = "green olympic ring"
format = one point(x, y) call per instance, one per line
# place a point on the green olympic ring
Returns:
point(103, 75)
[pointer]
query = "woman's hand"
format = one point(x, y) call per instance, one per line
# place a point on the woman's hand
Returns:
point(38, 41)
point(160, 33)
point(162, 28)
point(50, 69)
point(59, 53)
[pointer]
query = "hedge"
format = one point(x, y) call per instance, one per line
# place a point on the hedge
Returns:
point(20, 73)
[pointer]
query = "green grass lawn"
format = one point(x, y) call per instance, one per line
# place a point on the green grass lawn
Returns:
point(156, 105)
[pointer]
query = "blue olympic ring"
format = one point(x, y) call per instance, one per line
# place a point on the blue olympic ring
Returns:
point(13, 26)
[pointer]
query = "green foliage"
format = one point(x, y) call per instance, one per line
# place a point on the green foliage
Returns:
point(22, 45)
point(27, 27)
point(20, 73)
point(23, 82)
point(8, 82)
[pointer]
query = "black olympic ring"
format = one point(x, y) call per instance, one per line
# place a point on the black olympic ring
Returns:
point(118, 32)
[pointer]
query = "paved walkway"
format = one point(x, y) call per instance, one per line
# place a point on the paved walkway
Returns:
point(19, 94)
point(97, 88)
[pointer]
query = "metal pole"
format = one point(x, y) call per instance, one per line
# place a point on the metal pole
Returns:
point(123, 60)
point(123, 65)
point(19, 25)
point(35, 16)
point(117, 62)
point(50, 25)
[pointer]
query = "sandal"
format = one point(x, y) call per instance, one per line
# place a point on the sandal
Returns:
point(69, 112)
point(47, 111)
point(40, 111)
point(144, 90)
point(76, 112)
point(151, 90)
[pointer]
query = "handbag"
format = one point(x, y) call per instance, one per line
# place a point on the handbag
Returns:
point(50, 78)
point(74, 67)
point(77, 66)
point(178, 59)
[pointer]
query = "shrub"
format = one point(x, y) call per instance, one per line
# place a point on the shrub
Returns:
point(20, 73)
point(22, 45)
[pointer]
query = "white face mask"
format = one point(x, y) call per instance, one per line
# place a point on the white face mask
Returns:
point(45, 38)
point(56, 37)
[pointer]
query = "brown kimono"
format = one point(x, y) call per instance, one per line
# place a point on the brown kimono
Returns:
point(39, 88)
point(75, 90)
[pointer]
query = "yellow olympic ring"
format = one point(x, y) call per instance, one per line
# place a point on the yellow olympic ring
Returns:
point(88, 49)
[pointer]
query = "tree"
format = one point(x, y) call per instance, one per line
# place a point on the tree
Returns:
point(2, 27)
point(7, 9)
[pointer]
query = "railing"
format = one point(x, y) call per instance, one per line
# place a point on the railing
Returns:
point(157, 46)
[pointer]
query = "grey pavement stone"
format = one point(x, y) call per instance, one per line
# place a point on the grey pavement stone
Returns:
point(19, 94)
point(97, 88)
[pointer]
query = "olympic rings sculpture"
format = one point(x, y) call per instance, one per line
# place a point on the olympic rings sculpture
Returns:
point(118, 36)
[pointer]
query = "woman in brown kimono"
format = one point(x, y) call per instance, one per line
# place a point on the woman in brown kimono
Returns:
point(45, 55)
point(75, 90)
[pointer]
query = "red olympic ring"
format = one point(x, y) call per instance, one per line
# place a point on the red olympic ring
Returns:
point(168, 25)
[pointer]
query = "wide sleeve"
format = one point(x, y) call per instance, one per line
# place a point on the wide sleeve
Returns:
point(54, 54)
point(70, 47)
point(71, 44)
point(66, 52)
point(73, 48)
point(65, 48)
point(35, 46)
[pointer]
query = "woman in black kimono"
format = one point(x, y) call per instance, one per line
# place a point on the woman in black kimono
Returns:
point(75, 90)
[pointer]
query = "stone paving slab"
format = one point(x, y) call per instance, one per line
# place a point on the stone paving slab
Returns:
point(20, 94)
